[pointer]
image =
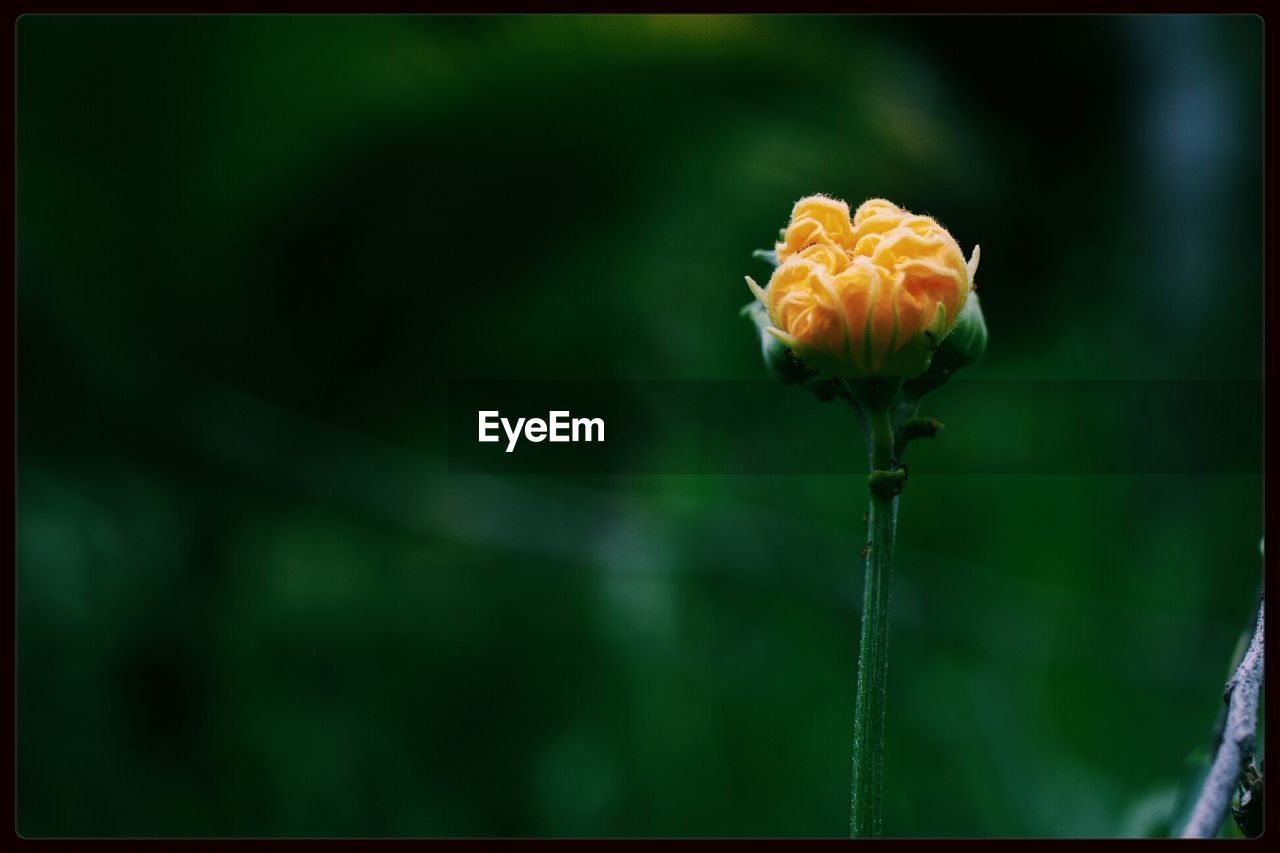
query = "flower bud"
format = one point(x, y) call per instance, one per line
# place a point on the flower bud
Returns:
point(869, 296)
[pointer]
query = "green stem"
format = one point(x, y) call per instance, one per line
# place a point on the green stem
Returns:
point(873, 660)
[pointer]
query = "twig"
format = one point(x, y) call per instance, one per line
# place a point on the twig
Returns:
point(1236, 747)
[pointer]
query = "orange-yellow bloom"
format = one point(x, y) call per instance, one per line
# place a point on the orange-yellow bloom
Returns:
point(869, 296)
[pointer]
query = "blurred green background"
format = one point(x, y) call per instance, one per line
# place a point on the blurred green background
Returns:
point(251, 600)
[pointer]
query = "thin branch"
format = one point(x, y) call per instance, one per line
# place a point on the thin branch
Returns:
point(1236, 747)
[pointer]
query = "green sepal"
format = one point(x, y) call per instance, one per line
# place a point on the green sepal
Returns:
point(781, 363)
point(962, 348)
point(769, 256)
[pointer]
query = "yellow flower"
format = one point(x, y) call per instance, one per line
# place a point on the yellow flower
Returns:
point(869, 296)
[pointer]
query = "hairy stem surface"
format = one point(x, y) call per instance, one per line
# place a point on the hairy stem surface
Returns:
point(873, 660)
